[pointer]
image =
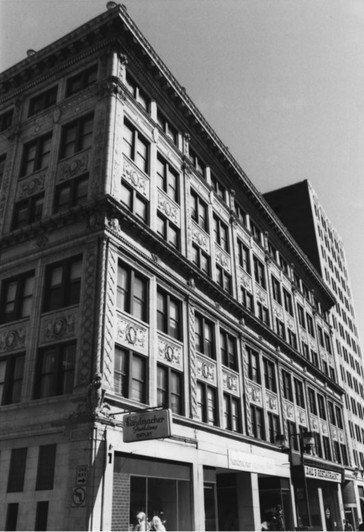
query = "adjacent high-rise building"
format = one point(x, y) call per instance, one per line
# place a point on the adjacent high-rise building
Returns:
point(165, 344)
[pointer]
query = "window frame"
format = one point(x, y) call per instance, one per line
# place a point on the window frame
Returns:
point(129, 376)
point(82, 78)
point(43, 100)
point(58, 376)
point(79, 143)
point(68, 291)
point(21, 298)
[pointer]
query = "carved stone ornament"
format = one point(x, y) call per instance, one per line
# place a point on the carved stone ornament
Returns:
point(289, 410)
point(271, 402)
point(261, 296)
point(73, 167)
point(206, 370)
point(246, 281)
point(57, 113)
point(290, 324)
point(11, 339)
point(254, 393)
point(223, 260)
point(59, 326)
point(324, 427)
point(334, 432)
point(200, 239)
point(167, 208)
point(230, 382)
point(132, 335)
point(136, 179)
point(278, 312)
point(170, 353)
point(94, 406)
point(302, 417)
point(314, 423)
point(341, 436)
point(33, 185)
point(155, 134)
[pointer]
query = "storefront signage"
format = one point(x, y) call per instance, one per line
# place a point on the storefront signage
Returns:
point(147, 425)
point(322, 474)
point(249, 462)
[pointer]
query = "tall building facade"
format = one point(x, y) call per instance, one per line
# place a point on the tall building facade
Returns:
point(141, 271)
point(299, 208)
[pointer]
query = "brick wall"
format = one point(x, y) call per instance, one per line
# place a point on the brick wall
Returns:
point(120, 501)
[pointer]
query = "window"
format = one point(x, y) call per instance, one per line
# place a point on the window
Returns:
point(197, 163)
point(257, 419)
point(167, 178)
point(201, 259)
point(169, 389)
point(337, 452)
point(314, 358)
point(135, 202)
point(301, 316)
point(204, 336)
point(11, 378)
point(6, 119)
point(269, 375)
point(168, 231)
point(17, 470)
point(167, 128)
point(291, 430)
point(16, 297)
point(56, 369)
point(2, 166)
point(287, 386)
point(318, 444)
point(299, 392)
point(132, 293)
point(130, 375)
point(228, 350)
point(81, 81)
point(46, 467)
point(63, 284)
point(320, 336)
point(305, 350)
point(253, 365)
point(221, 233)
point(292, 338)
point(28, 211)
point(256, 233)
point(281, 331)
point(43, 101)
point(231, 413)
point(71, 193)
point(199, 212)
point(77, 136)
point(247, 299)
point(312, 401)
point(310, 326)
point(169, 314)
point(276, 289)
point(283, 264)
point(273, 427)
point(223, 278)
point(139, 95)
point(41, 516)
point(331, 413)
point(328, 343)
point(136, 147)
point(259, 272)
point(36, 154)
point(240, 214)
point(219, 189)
point(12, 516)
point(244, 257)
point(207, 404)
point(263, 313)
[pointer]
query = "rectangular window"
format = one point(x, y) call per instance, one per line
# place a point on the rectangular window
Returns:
point(16, 297)
point(244, 257)
point(247, 299)
point(6, 119)
point(130, 375)
point(269, 375)
point(169, 389)
point(197, 162)
point(204, 336)
point(27, 211)
point(337, 452)
point(62, 284)
point(201, 259)
point(207, 404)
point(276, 289)
point(312, 401)
point(257, 419)
point(167, 128)
point(318, 445)
point(11, 378)
point(134, 201)
point(299, 392)
point(328, 343)
point(281, 331)
point(167, 178)
point(139, 95)
point(36, 154)
point(199, 212)
point(256, 232)
point(46, 467)
point(228, 350)
point(231, 413)
point(263, 313)
point(314, 358)
point(310, 327)
point(56, 370)
point(253, 365)
point(41, 516)
point(77, 136)
point(71, 193)
point(132, 292)
point(169, 314)
point(259, 272)
point(43, 101)
point(273, 427)
point(223, 279)
point(2, 166)
point(12, 516)
point(331, 409)
point(168, 231)
point(219, 189)
point(241, 214)
point(301, 316)
point(17, 470)
point(305, 350)
point(81, 80)
point(283, 264)
point(287, 386)
point(136, 147)
point(292, 338)
point(221, 233)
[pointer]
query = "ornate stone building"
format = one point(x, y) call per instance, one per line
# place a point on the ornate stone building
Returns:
point(141, 269)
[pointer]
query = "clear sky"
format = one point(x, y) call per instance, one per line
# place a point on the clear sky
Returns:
point(280, 81)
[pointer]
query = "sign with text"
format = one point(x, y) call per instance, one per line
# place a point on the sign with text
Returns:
point(322, 474)
point(147, 425)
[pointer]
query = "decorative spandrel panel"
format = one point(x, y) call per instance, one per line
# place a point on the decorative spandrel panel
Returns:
point(324, 428)
point(245, 280)
point(200, 238)
point(341, 436)
point(13, 338)
point(136, 178)
point(206, 369)
point(169, 208)
point(333, 431)
point(58, 326)
point(222, 258)
point(261, 295)
point(230, 382)
point(288, 410)
point(254, 393)
point(31, 185)
point(73, 166)
point(271, 401)
point(314, 423)
point(132, 334)
point(301, 416)
point(170, 352)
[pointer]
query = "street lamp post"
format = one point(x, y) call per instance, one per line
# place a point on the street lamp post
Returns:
point(306, 442)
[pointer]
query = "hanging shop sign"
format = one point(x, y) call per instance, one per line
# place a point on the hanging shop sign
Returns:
point(147, 425)
point(322, 474)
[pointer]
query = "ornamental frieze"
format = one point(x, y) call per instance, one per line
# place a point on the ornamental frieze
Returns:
point(230, 382)
point(11, 339)
point(324, 428)
point(223, 259)
point(290, 324)
point(341, 436)
point(31, 186)
point(254, 393)
point(314, 422)
point(58, 326)
point(303, 335)
point(246, 281)
point(277, 311)
point(288, 409)
point(261, 296)
point(200, 238)
point(136, 178)
point(168, 208)
point(132, 335)
point(170, 353)
point(301, 416)
point(73, 167)
point(334, 432)
point(206, 370)
point(271, 401)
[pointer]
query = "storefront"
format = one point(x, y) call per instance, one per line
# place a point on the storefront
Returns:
point(325, 498)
